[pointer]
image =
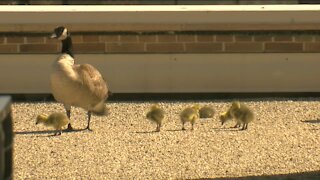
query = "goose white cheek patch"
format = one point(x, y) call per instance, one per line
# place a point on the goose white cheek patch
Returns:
point(64, 34)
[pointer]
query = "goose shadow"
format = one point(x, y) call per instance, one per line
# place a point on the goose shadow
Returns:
point(313, 121)
point(289, 176)
point(46, 132)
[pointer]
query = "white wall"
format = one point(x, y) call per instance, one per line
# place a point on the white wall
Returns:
point(160, 14)
point(131, 73)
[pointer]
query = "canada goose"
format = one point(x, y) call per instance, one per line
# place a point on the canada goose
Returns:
point(55, 120)
point(189, 114)
point(156, 114)
point(206, 112)
point(240, 112)
point(79, 85)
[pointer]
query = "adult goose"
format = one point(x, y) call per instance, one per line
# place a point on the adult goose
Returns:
point(79, 85)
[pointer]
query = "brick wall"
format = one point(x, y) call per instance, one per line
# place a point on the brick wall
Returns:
point(195, 42)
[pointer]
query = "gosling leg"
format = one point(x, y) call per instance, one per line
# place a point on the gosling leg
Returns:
point(158, 128)
point(70, 128)
point(237, 125)
point(246, 125)
point(183, 127)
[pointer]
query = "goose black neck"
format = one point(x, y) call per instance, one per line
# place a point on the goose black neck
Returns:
point(67, 46)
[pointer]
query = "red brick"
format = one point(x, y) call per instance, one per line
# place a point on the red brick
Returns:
point(224, 38)
point(241, 38)
point(8, 48)
point(282, 38)
point(125, 48)
point(186, 38)
point(317, 37)
point(283, 47)
point(90, 38)
point(147, 38)
point(204, 38)
point(15, 39)
point(243, 47)
point(35, 39)
point(312, 47)
point(262, 38)
point(47, 2)
point(48, 40)
point(38, 48)
point(89, 47)
point(77, 38)
point(167, 38)
point(128, 38)
point(109, 38)
point(203, 47)
point(165, 48)
point(303, 38)
point(2, 39)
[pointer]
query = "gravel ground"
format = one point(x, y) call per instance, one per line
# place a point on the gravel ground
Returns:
point(283, 139)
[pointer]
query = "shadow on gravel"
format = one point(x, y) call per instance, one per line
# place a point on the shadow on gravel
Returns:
point(146, 132)
point(227, 129)
point(46, 132)
point(174, 130)
point(312, 121)
point(312, 175)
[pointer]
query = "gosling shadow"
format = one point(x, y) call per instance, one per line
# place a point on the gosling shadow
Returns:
point(46, 132)
point(175, 130)
point(228, 129)
point(315, 129)
point(312, 121)
point(146, 132)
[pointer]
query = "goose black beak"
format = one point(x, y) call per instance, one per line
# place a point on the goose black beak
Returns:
point(53, 36)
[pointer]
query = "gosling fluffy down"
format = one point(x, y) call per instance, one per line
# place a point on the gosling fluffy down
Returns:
point(56, 120)
point(190, 114)
point(156, 114)
point(240, 112)
point(206, 112)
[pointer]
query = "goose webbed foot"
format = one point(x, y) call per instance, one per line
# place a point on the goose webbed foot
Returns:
point(70, 128)
point(88, 128)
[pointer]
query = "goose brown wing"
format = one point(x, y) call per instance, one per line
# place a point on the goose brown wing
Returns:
point(92, 80)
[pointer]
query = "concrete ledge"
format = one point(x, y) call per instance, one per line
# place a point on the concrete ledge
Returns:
point(161, 18)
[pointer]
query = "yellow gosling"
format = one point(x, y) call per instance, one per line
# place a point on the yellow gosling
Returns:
point(190, 114)
point(156, 114)
point(55, 120)
point(240, 112)
point(206, 112)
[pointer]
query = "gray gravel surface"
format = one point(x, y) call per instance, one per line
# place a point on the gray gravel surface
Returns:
point(284, 139)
